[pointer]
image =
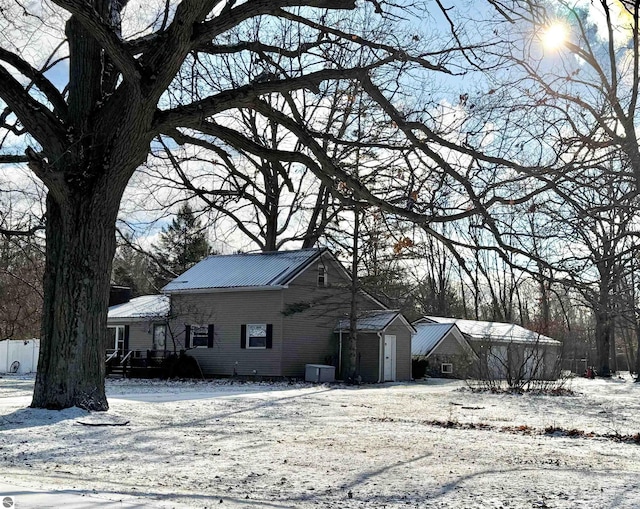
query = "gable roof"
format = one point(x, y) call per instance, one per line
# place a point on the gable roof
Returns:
point(373, 321)
point(244, 271)
point(145, 307)
point(430, 335)
point(494, 331)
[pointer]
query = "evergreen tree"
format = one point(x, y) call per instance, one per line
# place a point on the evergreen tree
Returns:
point(182, 244)
point(134, 269)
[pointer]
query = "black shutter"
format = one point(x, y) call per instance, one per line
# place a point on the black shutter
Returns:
point(126, 338)
point(243, 336)
point(187, 336)
point(210, 336)
point(269, 335)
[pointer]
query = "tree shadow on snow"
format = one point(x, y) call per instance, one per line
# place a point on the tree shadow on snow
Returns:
point(35, 417)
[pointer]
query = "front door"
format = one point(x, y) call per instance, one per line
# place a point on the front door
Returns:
point(389, 358)
point(159, 336)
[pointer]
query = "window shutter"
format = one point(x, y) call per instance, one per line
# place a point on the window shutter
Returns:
point(243, 336)
point(269, 335)
point(187, 336)
point(126, 338)
point(210, 336)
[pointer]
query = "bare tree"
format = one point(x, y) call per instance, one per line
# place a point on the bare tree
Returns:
point(132, 81)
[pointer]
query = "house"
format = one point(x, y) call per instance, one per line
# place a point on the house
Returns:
point(441, 350)
point(507, 351)
point(262, 314)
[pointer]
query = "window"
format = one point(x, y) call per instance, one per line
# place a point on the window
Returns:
point(256, 335)
point(159, 336)
point(446, 368)
point(116, 338)
point(322, 275)
point(198, 336)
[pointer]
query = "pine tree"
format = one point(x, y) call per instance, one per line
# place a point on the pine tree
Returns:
point(182, 244)
point(135, 269)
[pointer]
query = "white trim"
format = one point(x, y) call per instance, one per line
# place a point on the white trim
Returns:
point(449, 368)
point(117, 336)
point(393, 357)
point(323, 273)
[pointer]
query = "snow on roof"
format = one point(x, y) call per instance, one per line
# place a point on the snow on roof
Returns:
point(427, 337)
point(371, 321)
point(494, 331)
point(244, 270)
point(147, 306)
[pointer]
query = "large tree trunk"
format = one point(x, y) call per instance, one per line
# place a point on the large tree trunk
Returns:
point(80, 249)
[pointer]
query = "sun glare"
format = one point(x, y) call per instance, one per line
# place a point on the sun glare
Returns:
point(554, 36)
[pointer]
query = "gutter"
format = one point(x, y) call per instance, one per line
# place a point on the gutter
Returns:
point(224, 290)
point(380, 357)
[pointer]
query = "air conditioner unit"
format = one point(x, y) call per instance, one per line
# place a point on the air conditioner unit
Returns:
point(319, 373)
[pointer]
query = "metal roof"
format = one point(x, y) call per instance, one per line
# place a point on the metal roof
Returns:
point(371, 321)
point(147, 306)
point(270, 269)
point(428, 336)
point(494, 331)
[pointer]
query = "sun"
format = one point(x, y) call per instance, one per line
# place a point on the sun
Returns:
point(554, 36)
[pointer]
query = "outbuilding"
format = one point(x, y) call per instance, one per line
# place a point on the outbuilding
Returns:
point(506, 350)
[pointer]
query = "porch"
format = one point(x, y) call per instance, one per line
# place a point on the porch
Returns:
point(137, 363)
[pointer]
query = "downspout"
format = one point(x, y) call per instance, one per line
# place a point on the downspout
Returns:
point(380, 358)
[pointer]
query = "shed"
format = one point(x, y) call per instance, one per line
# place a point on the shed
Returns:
point(384, 345)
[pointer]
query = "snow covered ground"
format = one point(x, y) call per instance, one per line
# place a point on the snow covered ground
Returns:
point(432, 444)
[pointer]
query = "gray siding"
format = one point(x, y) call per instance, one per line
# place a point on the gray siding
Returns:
point(449, 347)
point(227, 311)
point(369, 356)
point(450, 352)
point(313, 313)
point(403, 349)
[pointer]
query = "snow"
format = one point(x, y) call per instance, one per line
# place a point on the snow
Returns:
point(429, 444)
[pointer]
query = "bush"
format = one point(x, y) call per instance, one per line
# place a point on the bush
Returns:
point(182, 366)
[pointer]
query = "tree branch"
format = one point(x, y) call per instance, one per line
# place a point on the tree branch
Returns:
point(38, 79)
point(40, 122)
point(105, 36)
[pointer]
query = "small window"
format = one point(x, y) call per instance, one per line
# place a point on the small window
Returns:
point(199, 336)
point(446, 368)
point(322, 275)
point(257, 335)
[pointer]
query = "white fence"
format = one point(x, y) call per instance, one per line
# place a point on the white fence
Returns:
point(19, 356)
